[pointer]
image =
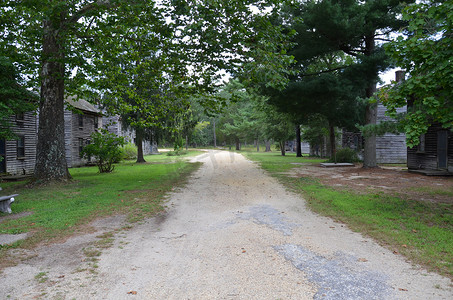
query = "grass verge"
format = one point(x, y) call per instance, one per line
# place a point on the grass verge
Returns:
point(421, 231)
point(56, 211)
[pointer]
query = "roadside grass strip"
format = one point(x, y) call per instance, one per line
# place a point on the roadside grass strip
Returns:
point(55, 211)
point(421, 231)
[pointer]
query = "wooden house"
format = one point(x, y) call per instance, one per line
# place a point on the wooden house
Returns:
point(114, 125)
point(81, 120)
point(390, 148)
point(19, 155)
point(434, 154)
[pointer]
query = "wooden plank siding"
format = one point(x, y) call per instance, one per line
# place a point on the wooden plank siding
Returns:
point(22, 164)
point(427, 159)
point(390, 148)
point(75, 133)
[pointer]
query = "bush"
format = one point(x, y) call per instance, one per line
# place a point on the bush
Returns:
point(345, 155)
point(176, 153)
point(129, 151)
point(105, 147)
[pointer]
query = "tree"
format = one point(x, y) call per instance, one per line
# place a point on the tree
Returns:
point(53, 39)
point(353, 28)
point(14, 98)
point(425, 53)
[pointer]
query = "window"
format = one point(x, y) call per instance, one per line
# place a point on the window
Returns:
point(80, 147)
point(421, 145)
point(20, 117)
point(80, 121)
point(2, 156)
point(21, 147)
point(96, 122)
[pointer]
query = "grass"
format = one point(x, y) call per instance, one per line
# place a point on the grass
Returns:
point(56, 211)
point(421, 231)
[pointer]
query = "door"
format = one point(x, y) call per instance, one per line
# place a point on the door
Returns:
point(442, 142)
point(2, 156)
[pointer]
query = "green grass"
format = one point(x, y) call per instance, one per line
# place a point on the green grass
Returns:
point(422, 231)
point(60, 210)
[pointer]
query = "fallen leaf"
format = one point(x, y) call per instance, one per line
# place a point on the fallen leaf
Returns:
point(243, 251)
point(61, 276)
point(332, 227)
point(413, 230)
point(395, 252)
point(363, 259)
point(405, 246)
point(132, 293)
point(404, 290)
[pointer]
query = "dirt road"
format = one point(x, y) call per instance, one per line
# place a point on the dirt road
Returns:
point(232, 233)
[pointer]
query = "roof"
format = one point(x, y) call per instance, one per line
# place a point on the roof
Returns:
point(82, 105)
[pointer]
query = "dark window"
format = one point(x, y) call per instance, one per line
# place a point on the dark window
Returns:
point(80, 147)
point(80, 121)
point(2, 156)
point(21, 147)
point(20, 117)
point(421, 145)
point(96, 122)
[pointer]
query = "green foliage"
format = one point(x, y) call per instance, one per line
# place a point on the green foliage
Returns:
point(105, 147)
point(425, 53)
point(345, 155)
point(14, 98)
point(129, 151)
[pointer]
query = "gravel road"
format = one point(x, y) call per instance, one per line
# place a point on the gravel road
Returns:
point(232, 233)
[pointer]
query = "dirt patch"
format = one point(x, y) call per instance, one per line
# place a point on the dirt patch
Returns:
point(389, 180)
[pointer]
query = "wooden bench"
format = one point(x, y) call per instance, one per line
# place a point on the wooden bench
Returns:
point(5, 203)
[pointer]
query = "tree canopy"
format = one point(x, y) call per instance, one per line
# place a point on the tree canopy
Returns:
point(62, 46)
point(425, 53)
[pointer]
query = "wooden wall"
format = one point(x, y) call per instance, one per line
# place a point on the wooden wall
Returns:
point(390, 148)
point(28, 128)
point(73, 132)
point(428, 159)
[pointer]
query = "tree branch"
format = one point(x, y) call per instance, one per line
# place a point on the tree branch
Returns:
point(325, 71)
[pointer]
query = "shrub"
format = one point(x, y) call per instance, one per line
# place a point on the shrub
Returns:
point(129, 151)
point(105, 147)
point(345, 155)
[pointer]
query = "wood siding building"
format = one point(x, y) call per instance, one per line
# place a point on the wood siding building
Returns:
point(435, 151)
point(19, 155)
point(113, 124)
point(81, 120)
point(390, 148)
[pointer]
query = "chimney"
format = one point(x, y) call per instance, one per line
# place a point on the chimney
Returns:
point(399, 76)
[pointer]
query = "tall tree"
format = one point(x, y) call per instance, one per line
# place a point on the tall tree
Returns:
point(53, 39)
point(354, 28)
point(425, 52)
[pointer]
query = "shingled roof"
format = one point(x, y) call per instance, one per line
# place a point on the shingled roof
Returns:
point(79, 104)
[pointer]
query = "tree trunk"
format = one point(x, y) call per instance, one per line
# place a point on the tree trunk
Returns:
point(238, 145)
point(215, 137)
point(369, 153)
point(333, 147)
point(268, 146)
point(50, 151)
point(187, 142)
point(298, 142)
point(282, 148)
point(139, 144)
point(257, 146)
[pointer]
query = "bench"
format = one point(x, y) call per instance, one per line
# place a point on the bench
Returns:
point(5, 203)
